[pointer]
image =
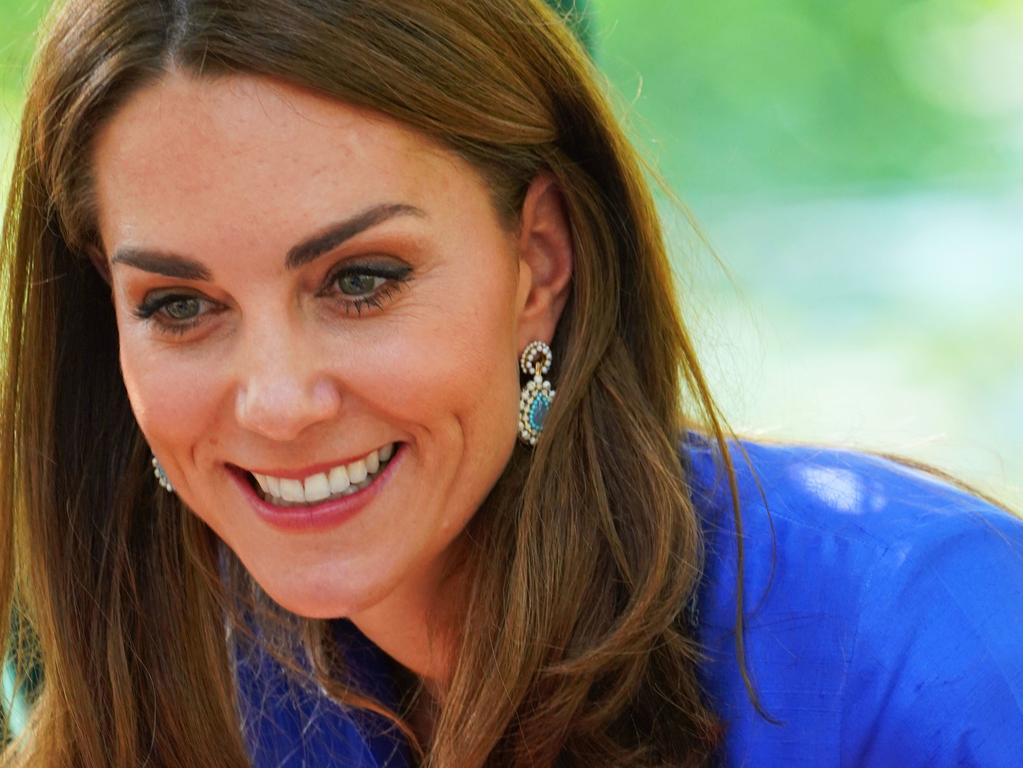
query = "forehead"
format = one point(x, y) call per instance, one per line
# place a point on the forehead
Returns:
point(187, 156)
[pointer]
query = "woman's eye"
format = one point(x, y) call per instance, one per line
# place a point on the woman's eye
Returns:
point(173, 312)
point(359, 283)
point(358, 287)
point(182, 309)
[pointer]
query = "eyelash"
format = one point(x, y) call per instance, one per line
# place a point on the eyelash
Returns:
point(152, 306)
point(152, 309)
point(396, 278)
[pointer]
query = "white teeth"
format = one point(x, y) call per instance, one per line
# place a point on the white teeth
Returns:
point(274, 486)
point(357, 471)
point(292, 490)
point(317, 488)
point(340, 481)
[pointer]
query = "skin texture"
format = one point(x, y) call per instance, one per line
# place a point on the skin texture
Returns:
point(278, 373)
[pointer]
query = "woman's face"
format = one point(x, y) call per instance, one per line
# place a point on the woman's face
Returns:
point(302, 289)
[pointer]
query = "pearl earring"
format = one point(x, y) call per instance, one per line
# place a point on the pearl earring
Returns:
point(537, 395)
point(161, 476)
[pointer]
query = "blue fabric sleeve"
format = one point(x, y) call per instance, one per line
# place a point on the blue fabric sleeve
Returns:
point(883, 613)
point(936, 674)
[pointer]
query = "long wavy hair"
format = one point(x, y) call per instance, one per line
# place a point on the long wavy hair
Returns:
point(581, 559)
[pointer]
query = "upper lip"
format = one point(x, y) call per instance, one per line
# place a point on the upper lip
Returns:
point(313, 469)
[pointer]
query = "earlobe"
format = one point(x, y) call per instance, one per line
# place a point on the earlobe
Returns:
point(546, 255)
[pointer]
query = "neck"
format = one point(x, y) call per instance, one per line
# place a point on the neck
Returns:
point(417, 626)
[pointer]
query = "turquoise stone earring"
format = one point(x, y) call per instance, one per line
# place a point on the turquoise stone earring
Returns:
point(537, 395)
point(161, 476)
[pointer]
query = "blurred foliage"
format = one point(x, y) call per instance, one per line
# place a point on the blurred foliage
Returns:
point(804, 93)
point(18, 22)
point(794, 93)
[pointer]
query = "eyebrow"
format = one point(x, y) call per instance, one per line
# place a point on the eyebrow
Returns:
point(338, 233)
point(162, 263)
point(185, 268)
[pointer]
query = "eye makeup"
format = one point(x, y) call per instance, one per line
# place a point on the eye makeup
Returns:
point(173, 311)
point(354, 288)
point(345, 282)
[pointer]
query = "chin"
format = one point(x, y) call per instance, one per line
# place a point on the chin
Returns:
point(310, 606)
point(315, 600)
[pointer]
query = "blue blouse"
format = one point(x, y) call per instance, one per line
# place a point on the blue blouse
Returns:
point(883, 625)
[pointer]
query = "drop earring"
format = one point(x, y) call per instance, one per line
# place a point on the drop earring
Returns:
point(161, 476)
point(537, 395)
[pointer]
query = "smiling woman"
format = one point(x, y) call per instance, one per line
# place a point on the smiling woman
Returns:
point(309, 331)
point(318, 267)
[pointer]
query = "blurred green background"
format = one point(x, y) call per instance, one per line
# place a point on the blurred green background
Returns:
point(857, 168)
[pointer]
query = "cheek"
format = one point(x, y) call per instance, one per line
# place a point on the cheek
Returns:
point(449, 372)
point(449, 380)
point(173, 397)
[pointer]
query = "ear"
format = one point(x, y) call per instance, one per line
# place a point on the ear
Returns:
point(99, 261)
point(545, 260)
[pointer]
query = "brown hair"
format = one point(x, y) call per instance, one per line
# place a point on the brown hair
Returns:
point(579, 651)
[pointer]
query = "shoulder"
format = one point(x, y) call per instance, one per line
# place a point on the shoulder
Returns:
point(849, 494)
point(882, 607)
point(844, 514)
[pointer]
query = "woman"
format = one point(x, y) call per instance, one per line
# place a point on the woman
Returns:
point(377, 293)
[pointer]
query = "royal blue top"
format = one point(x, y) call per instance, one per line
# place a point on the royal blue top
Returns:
point(883, 613)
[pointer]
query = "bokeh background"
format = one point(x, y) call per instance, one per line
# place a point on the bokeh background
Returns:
point(856, 170)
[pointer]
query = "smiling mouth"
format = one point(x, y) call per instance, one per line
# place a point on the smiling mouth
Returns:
point(335, 483)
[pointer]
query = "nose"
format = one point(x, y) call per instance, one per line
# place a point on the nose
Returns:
point(284, 388)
